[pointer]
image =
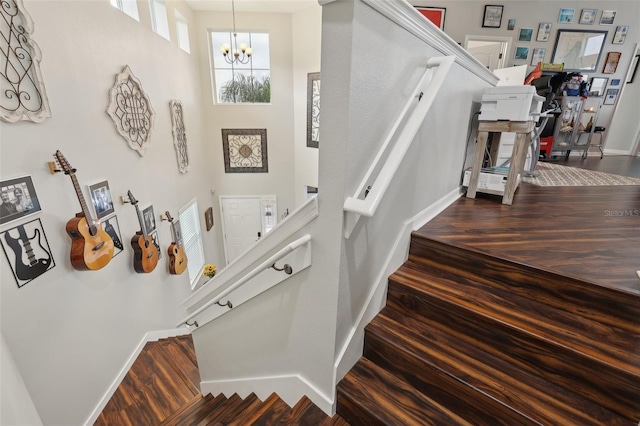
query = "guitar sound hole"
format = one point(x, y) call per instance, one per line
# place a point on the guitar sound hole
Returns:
point(99, 246)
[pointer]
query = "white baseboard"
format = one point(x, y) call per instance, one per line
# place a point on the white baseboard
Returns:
point(290, 389)
point(616, 152)
point(152, 336)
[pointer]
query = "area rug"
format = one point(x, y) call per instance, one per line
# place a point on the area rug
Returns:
point(549, 174)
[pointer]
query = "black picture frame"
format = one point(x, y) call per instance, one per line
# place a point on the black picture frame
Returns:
point(208, 218)
point(19, 199)
point(112, 228)
point(27, 240)
point(313, 110)
point(101, 199)
point(149, 220)
point(568, 42)
point(245, 150)
point(492, 17)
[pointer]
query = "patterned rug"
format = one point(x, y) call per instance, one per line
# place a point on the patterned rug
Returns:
point(549, 174)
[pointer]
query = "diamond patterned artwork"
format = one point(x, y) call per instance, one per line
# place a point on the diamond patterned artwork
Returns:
point(179, 136)
point(245, 150)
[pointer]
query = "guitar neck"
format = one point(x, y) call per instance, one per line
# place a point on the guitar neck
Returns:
point(83, 203)
point(141, 221)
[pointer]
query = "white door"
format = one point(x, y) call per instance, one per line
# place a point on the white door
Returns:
point(242, 224)
point(490, 51)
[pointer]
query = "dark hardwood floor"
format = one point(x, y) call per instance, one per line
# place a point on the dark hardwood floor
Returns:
point(588, 233)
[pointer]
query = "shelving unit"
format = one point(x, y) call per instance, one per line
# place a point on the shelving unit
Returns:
point(576, 124)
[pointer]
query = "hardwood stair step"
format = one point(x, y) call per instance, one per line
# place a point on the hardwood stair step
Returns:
point(218, 404)
point(182, 362)
point(226, 414)
point(449, 306)
point(197, 401)
point(429, 358)
point(610, 306)
point(277, 409)
point(253, 414)
point(304, 413)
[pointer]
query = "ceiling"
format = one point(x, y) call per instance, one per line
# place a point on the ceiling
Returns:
point(272, 6)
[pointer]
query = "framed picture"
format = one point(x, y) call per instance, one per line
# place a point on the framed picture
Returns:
point(19, 199)
point(434, 14)
point(149, 220)
point(588, 16)
point(620, 35)
point(611, 64)
point(511, 24)
point(537, 56)
point(492, 16)
point(566, 16)
point(245, 150)
point(112, 228)
point(101, 199)
point(544, 31)
point(156, 241)
point(208, 218)
point(522, 53)
point(525, 34)
point(615, 82)
point(570, 49)
point(27, 251)
point(633, 69)
point(313, 110)
point(607, 17)
point(610, 97)
point(597, 86)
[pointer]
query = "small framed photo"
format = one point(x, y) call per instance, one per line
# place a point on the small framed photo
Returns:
point(19, 199)
point(566, 16)
point(112, 228)
point(492, 16)
point(525, 34)
point(156, 242)
point(511, 24)
point(101, 199)
point(522, 53)
point(607, 18)
point(149, 220)
point(611, 64)
point(610, 97)
point(544, 31)
point(208, 218)
point(615, 82)
point(537, 56)
point(588, 16)
point(620, 35)
point(27, 250)
point(597, 86)
point(433, 14)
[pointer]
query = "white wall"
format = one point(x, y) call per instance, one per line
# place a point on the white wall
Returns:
point(71, 332)
point(464, 17)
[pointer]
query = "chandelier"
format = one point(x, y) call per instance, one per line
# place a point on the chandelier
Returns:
point(231, 53)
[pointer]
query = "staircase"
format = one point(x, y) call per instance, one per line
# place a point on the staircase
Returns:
point(466, 338)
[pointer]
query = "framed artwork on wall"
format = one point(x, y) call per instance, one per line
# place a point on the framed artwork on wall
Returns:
point(101, 199)
point(149, 220)
point(633, 69)
point(112, 228)
point(570, 49)
point(588, 16)
point(522, 53)
point(610, 97)
point(179, 135)
point(544, 31)
point(208, 218)
point(611, 64)
point(620, 35)
point(245, 150)
point(492, 16)
point(313, 110)
point(525, 34)
point(537, 56)
point(511, 24)
point(566, 16)
point(19, 199)
point(607, 17)
point(434, 14)
point(597, 86)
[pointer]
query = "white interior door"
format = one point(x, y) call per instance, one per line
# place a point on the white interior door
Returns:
point(490, 51)
point(242, 225)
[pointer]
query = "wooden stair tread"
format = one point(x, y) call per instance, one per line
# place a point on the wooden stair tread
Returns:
point(277, 409)
point(604, 343)
point(251, 415)
point(305, 412)
point(185, 409)
point(384, 399)
point(182, 362)
point(218, 404)
point(526, 393)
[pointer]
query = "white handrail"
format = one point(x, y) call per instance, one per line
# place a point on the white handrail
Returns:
point(367, 206)
point(255, 271)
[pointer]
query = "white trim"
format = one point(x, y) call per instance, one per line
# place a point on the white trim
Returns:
point(291, 387)
point(407, 17)
point(616, 152)
point(152, 336)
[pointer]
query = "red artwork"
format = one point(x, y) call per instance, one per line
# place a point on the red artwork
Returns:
point(434, 14)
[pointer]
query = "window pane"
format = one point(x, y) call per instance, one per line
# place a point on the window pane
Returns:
point(182, 30)
point(159, 21)
point(130, 7)
point(192, 240)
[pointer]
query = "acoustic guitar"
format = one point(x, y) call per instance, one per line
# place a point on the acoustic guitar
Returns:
point(145, 252)
point(177, 256)
point(91, 246)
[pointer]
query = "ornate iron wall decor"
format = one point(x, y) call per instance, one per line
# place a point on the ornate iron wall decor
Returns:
point(313, 110)
point(23, 96)
point(245, 150)
point(131, 111)
point(179, 136)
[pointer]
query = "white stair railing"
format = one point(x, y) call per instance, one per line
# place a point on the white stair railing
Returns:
point(369, 194)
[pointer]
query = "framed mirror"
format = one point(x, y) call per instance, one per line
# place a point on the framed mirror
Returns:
point(597, 86)
point(578, 50)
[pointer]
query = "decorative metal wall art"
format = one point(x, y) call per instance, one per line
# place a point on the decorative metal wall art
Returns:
point(179, 136)
point(131, 111)
point(245, 150)
point(23, 96)
point(27, 250)
point(313, 110)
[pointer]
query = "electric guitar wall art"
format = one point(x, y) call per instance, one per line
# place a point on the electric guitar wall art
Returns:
point(145, 252)
point(91, 246)
point(177, 256)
